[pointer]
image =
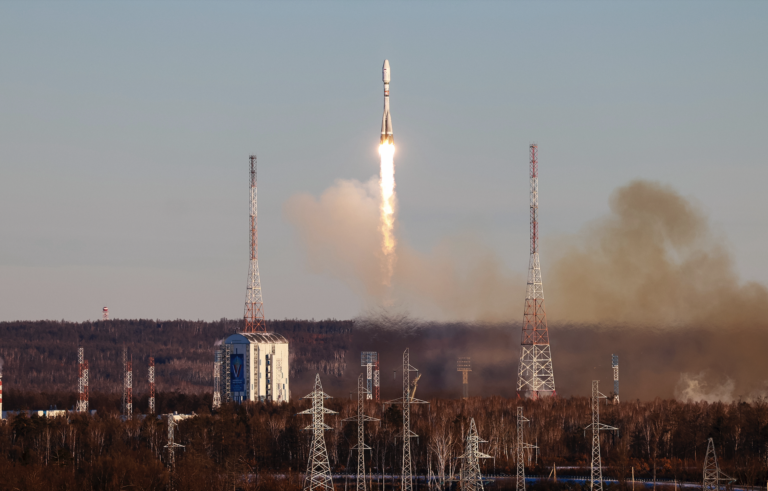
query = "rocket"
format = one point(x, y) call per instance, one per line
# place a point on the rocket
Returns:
point(386, 119)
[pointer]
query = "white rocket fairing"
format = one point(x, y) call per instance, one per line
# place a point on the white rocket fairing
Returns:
point(386, 119)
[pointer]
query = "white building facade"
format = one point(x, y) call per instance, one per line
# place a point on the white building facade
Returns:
point(255, 367)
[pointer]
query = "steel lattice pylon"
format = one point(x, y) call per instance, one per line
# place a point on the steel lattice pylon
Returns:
point(615, 366)
point(362, 394)
point(535, 376)
point(596, 479)
point(82, 382)
point(217, 380)
point(406, 401)
point(318, 469)
point(171, 446)
point(254, 306)
point(712, 474)
point(522, 446)
point(470, 478)
point(151, 379)
point(127, 385)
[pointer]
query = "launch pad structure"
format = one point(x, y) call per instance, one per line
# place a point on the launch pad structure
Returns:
point(535, 377)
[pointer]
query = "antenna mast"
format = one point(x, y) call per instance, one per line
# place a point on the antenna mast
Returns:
point(615, 366)
point(535, 377)
point(463, 366)
point(254, 306)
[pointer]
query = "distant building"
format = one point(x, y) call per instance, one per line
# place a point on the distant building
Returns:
point(254, 367)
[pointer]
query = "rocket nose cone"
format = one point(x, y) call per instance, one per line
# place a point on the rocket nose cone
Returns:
point(385, 73)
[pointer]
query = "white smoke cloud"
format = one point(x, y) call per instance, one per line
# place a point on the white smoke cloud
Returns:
point(697, 388)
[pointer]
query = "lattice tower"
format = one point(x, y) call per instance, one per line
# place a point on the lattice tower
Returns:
point(463, 365)
point(80, 381)
point(86, 396)
point(125, 377)
point(217, 379)
point(470, 478)
point(171, 446)
point(712, 474)
point(151, 379)
point(318, 474)
point(522, 446)
point(596, 479)
point(370, 360)
point(361, 418)
point(129, 388)
point(406, 401)
point(254, 306)
point(535, 377)
point(615, 366)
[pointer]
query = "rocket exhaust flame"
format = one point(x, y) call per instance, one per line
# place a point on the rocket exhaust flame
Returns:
point(388, 201)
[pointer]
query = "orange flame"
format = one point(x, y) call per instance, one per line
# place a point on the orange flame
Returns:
point(388, 201)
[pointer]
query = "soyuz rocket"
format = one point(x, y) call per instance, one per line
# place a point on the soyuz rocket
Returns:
point(386, 119)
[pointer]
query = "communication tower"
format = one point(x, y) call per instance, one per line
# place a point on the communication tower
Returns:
point(370, 360)
point(254, 306)
point(522, 446)
point(406, 401)
point(361, 418)
point(470, 478)
point(596, 479)
point(463, 366)
point(105, 314)
point(615, 366)
point(535, 376)
point(151, 378)
point(318, 474)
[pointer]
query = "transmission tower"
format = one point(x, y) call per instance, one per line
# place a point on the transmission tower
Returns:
point(535, 377)
point(217, 380)
point(596, 479)
point(712, 474)
point(470, 477)
point(521, 448)
point(82, 382)
point(127, 385)
point(370, 360)
point(406, 401)
point(151, 378)
point(171, 446)
point(361, 418)
point(615, 366)
point(463, 366)
point(254, 306)
point(318, 469)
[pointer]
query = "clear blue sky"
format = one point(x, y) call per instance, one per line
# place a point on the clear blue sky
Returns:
point(125, 130)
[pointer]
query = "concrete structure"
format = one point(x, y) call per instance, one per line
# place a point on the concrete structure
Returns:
point(255, 367)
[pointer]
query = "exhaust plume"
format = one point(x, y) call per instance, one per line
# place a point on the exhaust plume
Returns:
point(388, 202)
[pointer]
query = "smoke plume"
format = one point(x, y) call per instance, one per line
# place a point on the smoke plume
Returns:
point(650, 282)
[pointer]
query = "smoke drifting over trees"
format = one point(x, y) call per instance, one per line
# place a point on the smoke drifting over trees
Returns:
point(650, 281)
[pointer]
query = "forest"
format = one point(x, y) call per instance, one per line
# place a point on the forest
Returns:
point(263, 446)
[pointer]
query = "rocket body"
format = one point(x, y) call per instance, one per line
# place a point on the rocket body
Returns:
point(386, 119)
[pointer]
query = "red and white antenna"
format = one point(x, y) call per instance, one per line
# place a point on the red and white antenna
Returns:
point(254, 306)
point(105, 314)
point(535, 376)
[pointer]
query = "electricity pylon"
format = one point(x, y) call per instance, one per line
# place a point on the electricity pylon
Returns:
point(596, 479)
point(712, 474)
point(318, 469)
point(406, 401)
point(521, 448)
point(171, 446)
point(361, 418)
point(470, 477)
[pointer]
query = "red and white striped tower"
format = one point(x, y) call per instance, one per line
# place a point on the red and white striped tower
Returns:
point(105, 314)
point(151, 385)
point(254, 306)
point(535, 377)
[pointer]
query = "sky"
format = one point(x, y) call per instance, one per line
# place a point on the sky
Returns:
point(125, 131)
